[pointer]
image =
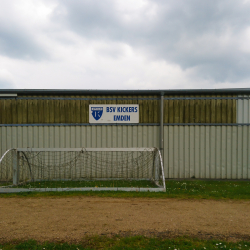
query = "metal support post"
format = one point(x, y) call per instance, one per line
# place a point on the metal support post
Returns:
point(161, 126)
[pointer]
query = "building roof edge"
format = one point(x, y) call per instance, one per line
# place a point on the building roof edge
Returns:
point(124, 92)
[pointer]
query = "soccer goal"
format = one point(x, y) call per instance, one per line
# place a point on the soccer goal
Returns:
point(82, 169)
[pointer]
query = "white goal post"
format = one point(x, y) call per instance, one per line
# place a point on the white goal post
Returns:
point(53, 165)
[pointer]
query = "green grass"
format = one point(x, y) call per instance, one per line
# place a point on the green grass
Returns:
point(2, 184)
point(135, 242)
point(185, 189)
point(208, 189)
point(75, 184)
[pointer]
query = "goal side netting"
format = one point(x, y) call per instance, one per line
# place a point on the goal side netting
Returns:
point(44, 169)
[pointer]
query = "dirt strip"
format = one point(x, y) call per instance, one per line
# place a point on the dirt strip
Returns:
point(71, 219)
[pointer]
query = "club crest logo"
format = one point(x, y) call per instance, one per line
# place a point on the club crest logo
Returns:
point(97, 112)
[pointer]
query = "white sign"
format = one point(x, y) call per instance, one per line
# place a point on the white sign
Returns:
point(113, 113)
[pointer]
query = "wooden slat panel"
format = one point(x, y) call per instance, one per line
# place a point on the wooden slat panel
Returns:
point(203, 110)
point(176, 111)
point(4, 112)
point(187, 111)
point(47, 106)
point(234, 111)
point(224, 110)
point(13, 111)
point(35, 110)
point(7, 111)
point(166, 111)
point(58, 116)
point(72, 108)
point(30, 107)
point(52, 104)
point(140, 102)
point(83, 112)
point(151, 109)
point(62, 107)
point(40, 111)
point(25, 111)
point(208, 110)
point(77, 111)
point(197, 106)
point(67, 111)
point(213, 111)
point(171, 110)
point(218, 118)
point(229, 111)
point(145, 111)
point(1, 111)
point(182, 111)
point(192, 111)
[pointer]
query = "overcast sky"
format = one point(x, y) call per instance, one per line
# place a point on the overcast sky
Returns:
point(124, 44)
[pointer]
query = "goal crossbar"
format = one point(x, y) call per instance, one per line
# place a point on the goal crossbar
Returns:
point(85, 149)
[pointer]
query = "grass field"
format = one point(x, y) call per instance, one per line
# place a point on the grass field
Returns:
point(185, 189)
point(136, 242)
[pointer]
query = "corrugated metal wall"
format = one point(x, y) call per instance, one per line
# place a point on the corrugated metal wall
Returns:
point(217, 152)
point(78, 136)
point(220, 152)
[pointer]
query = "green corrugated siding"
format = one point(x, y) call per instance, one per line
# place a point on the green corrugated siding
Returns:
point(77, 111)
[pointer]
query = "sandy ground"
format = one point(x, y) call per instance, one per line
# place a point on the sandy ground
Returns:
point(71, 219)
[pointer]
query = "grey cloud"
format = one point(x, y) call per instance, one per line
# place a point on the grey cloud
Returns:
point(89, 18)
point(188, 33)
point(114, 52)
point(19, 45)
point(4, 84)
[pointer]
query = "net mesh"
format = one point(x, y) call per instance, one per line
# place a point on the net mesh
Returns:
point(78, 168)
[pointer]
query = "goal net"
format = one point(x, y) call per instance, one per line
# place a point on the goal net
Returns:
point(60, 169)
